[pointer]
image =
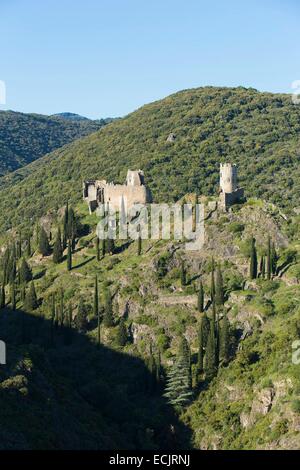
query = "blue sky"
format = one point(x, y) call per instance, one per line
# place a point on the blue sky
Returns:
point(108, 57)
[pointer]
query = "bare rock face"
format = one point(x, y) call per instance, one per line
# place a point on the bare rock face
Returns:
point(263, 401)
point(246, 420)
point(261, 405)
point(171, 138)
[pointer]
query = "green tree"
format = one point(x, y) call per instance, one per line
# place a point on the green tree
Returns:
point(103, 247)
point(139, 245)
point(25, 272)
point(44, 247)
point(13, 296)
point(205, 326)
point(269, 259)
point(224, 340)
point(273, 259)
point(2, 296)
point(212, 283)
point(262, 267)
point(178, 382)
point(31, 302)
point(58, 249)
point(96, 298)
point(210, 363)
point(69, 256)
point(97, 249)
point(200, 298)
point(219, 287)
point(183, 274)
point(200, 348)
point(65, 226)
point(253, 260)
point(28, 246)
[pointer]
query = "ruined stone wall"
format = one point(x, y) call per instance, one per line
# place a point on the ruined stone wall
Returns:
point(131, 194)
point(228, 199)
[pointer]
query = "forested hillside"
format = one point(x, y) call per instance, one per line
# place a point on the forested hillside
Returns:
point(258, 131)
point(143, 344)
point(26, 137)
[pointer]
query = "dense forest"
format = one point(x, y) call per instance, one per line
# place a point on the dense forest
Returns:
point(26, 137)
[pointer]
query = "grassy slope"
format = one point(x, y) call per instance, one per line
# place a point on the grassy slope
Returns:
point(26, 137)
point(258, 131)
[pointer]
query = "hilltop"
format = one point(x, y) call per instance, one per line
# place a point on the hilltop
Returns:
point(27, 137)
point(258, 131)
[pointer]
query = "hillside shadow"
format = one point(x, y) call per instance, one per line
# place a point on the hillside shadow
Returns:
point(60, 390)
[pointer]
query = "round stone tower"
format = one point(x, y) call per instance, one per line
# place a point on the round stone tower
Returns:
point(228, 178)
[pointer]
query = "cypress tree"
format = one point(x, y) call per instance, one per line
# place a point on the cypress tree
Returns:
point(28, 246)
point(13, 296)
point(253, 260)
point(205, 326)
point(12, 269)
point(57, 249)
point(103, 247)
point(219, 287)
point(5, 265)
point(183, 274)
point(65, 226)
point(19, 247)
point(96, 298)
point(273, 259)
point(200, 349)
point(210, 363)
point(224, 340)
point(139, 246)
point(200, 298)
point(44, 247)
point(30, 302)
point(158, 368)
point(22, 293)
point(262, 267)
point(212, 284)
point(71, 224)
point(98, 328)
point(108, 311)
point(2, 296)
point(269, 260)
point(97, 249)
point(25, 272)
point(69, 257)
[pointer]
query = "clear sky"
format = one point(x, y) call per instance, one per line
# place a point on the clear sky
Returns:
point(104, 58)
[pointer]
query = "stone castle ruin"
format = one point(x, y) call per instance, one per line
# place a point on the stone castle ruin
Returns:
point(230, 193)
point(134, 191)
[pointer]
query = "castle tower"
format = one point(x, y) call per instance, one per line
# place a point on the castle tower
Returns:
point(228, 178)
point(230, 192)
